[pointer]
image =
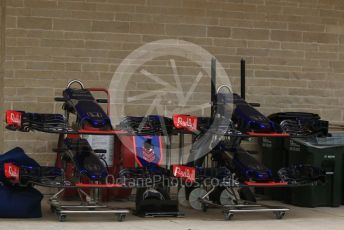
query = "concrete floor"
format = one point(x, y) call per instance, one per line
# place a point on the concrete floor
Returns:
point(297, 218)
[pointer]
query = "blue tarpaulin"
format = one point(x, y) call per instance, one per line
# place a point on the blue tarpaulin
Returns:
point(16, 201)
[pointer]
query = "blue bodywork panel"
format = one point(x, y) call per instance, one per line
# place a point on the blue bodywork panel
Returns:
point(87, 163)
point(86, 108)
point(248, 119)
point(249, 168)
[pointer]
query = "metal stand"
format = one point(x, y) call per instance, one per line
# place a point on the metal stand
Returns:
point(229, 211)
point(247, 207)
point(89, 206)
point(240, 206)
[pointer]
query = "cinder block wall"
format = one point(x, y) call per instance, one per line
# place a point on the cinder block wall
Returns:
point(294, 51)
point(2, 59)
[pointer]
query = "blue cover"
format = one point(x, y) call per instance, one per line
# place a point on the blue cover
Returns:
point(18, 202)
point(18, 157)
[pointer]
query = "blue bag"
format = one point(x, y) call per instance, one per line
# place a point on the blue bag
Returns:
point(20, 202)
point(15, 201)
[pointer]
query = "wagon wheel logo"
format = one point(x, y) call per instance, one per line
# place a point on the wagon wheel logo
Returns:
point(170, 96)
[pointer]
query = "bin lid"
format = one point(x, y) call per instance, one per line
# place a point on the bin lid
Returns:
point(336, 140)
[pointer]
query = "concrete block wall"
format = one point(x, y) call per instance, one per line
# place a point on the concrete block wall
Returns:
point(294, 51)
point(2, 60)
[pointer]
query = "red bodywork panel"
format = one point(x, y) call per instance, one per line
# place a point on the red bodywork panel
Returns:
point(266, 184)
point(124, 157)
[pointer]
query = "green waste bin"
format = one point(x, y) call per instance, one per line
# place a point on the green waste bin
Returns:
point(324, 152)
point(274, 156)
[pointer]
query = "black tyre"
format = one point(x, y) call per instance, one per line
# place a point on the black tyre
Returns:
point(247, 194)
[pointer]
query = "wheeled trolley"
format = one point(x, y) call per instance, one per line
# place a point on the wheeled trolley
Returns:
point(63, 210)
point(89, 205)
point(230, 202)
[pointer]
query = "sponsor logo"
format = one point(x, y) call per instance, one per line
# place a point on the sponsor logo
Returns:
point(184, 172)
point(185, 121)
point(148, 155)
point(13, 118)
point(11, 172)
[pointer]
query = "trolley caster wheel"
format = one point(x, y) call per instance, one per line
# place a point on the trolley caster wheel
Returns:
point(204, 207)
point(62, 217)
point(228, 215)
point(279, 215)
point(120, 217)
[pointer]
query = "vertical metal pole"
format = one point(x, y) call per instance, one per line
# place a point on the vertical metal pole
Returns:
point(181, 151)
point(213, 88)
point(242, 78)
point(168, 145)
point(96, 194)
point(3, 4)
point(181, 147)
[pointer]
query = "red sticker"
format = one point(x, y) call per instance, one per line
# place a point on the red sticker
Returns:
point(12, 172)
point(13, 118)
point(184, 172)
point(187, 122)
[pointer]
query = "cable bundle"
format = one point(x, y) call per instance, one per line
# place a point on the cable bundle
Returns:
point(300, 124)
point(295, 128)
point(302, 174)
